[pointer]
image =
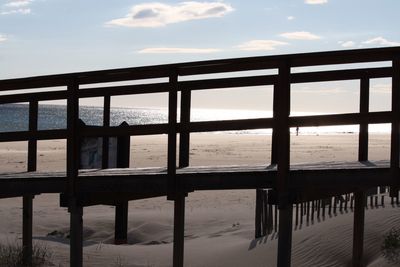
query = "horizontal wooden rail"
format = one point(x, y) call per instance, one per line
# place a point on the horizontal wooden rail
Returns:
point(229, 125)
point(124, 90)
point(147, 129)
point(204, 67)
point(36, 135)
point(201, 84)
point(40, 96)
point(341, 119)
point(340, 75)
point(205, 126)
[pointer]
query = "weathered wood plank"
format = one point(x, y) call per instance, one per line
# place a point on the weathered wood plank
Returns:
point(27, 222)
point(314, 176)
point(121, 223)
point(173, 184)
point(184, 135)
point(281, 117)
point(38, 96)
point(106, 123)
point(38, 135)
point(395, 133)
point(340, 75)
point(341, 119)
point(202, 67)
point(358, 228)
point(364, 108)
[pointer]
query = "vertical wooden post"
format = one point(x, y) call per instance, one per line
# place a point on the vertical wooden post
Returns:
point(312, 210)
point(334, 205)
point(121, 223)
point(179, 230)
point(281, 127)
point(258, 214)
point(76, 210)
point(175, 190)
point(27, 201)
point(341, 204)
point(301, 213)
point(32, 143)
point(359, 196)
point(274, 150)
point(27, 222)
point(276, 214)
point(121, 209)
point(358, 230)
point(275, 134)
point(395, 133)
point(76, 234)
point(106, 123)
point(172, 122)
point(184, 135)
point(364, 108)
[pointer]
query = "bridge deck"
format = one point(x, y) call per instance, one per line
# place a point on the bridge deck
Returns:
point(154, 180)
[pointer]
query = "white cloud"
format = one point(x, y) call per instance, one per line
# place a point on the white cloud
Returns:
point(347, 44)
point(23, 11)
point(300, 35)
point(16, 7)
point(159, 14)
point(261, 45)
point(380, 41)
point(2, 38)
point(316, 2)
point(18, 3)
point(177, 50)
point(290, 17)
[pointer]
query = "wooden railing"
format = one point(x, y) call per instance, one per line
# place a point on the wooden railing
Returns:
point(280, 122)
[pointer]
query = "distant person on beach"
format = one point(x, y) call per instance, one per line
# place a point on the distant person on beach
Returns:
point(297, 131)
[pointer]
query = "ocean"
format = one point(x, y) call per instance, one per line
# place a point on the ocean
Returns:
point(14, 117)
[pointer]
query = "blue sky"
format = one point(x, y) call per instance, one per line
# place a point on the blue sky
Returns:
point(54, 36)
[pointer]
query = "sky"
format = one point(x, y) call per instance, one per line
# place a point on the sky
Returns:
point(40, 37)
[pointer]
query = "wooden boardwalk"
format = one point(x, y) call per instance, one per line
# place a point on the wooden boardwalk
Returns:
point(289, 184)
point(304, 177)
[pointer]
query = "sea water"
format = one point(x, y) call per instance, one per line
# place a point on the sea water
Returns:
point(14, 117)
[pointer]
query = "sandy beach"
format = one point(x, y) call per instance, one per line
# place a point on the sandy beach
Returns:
point(220, 224)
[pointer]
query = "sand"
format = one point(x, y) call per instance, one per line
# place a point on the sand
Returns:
point(219, 224)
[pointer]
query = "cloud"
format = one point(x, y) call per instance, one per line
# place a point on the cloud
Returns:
point(18, 3)
point(290, 18)
point(316, 2)
point(300, 35)
point(2, 38)
point(158, 14)
point(347, 44)
point(16, 7)
point(177, 50)
point(23, 11)
point(380, 41)
point(261, 45)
